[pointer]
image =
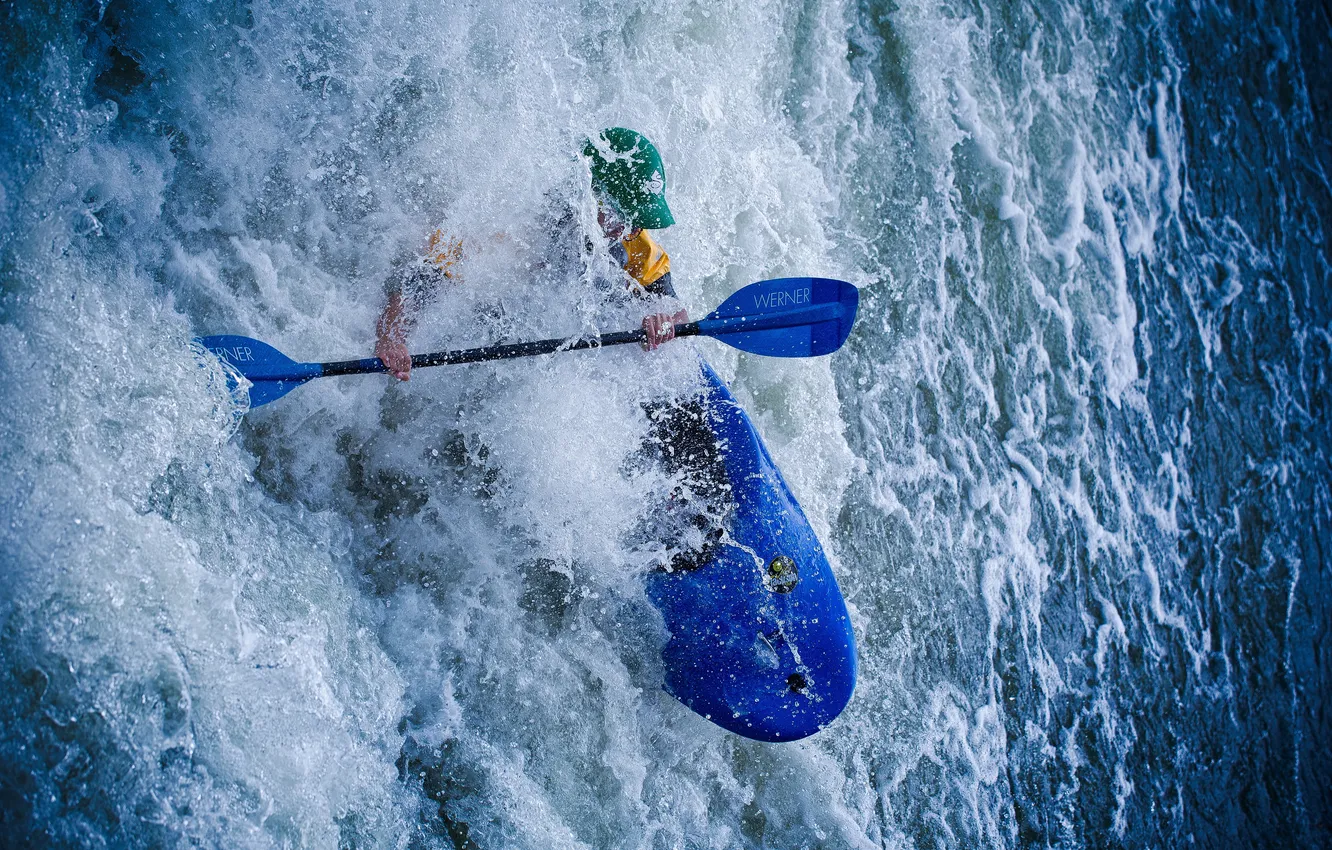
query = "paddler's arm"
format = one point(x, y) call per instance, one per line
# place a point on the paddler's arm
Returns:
point(409, 290)
point(650, 269)
point(413, 283)
point(391, 331)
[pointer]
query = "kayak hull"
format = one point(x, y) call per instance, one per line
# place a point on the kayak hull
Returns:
point(760, 639)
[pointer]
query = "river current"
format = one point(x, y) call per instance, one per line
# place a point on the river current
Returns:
point(1072, 467)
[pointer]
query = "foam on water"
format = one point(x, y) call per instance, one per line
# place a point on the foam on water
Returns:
point(1071, 468)
point(1052, 327)
point(380, 611)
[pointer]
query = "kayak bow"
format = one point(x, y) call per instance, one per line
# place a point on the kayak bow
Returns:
point(761, 641)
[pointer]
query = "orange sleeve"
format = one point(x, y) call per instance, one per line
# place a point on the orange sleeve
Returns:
point(443, 252)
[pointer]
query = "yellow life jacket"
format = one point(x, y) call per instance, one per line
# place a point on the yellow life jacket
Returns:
point(646, 262)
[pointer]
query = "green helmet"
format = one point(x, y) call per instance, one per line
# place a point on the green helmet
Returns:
point(627, 170)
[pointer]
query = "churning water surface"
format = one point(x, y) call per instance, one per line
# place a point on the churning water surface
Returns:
point(1072, 468)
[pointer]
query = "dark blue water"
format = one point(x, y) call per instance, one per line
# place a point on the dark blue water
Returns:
point(1072, 467)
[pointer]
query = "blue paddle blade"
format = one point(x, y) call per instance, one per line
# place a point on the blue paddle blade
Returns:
point(271, 373)
point(787, 317)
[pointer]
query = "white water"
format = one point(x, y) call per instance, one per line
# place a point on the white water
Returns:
point(373, 614)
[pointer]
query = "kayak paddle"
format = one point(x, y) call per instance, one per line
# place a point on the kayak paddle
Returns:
point(787, 317)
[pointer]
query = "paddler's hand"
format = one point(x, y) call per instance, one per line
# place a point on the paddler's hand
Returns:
point(396, 357)
point(660, 328)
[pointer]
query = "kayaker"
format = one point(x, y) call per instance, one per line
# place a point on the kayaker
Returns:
point(629, 182)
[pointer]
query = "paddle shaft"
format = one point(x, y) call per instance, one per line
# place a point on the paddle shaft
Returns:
point(369, 365)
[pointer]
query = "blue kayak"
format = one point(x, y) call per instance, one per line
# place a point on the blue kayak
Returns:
point(760, 640)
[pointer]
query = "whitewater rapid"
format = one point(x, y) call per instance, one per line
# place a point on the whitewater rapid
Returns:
point(1071, 470)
